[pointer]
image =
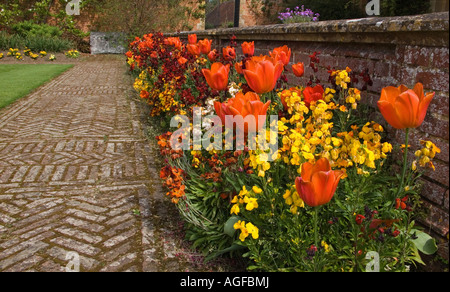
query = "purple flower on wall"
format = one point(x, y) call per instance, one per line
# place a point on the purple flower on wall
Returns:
point(298, 14)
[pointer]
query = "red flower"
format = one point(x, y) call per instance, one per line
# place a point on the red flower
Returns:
point(359, 219)
point(311, 94)
point(401, 203)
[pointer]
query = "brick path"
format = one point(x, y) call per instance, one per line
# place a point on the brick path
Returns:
point(77, 175)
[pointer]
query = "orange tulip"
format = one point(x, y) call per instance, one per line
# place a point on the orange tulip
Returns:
point(243, 105)
point(248, 49)
point(217, 77)
point(404, 108)
point(298, 69)
point(317, 183)
point(229, 53)
point(262, 74)
point(282, 54)
point(205, 46)
point(193, 49)
point(192, 39)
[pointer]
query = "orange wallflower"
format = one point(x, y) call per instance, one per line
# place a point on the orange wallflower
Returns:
point(317, 183)
point(262, 74)
point(298, 69)
point(238, 67)
point(243, 105)
point(404, 108)
point(217, 77)
point(172, 41)
point(248, 49)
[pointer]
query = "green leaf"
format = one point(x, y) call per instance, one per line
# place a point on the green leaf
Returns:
point(229, 226)
point(424, 242)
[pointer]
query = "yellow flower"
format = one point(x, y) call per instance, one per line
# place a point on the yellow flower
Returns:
point(257, 190)
point(325, 246)
point(235, 209)
point(252, 203)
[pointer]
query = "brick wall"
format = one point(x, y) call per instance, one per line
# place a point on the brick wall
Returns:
point(402, 50)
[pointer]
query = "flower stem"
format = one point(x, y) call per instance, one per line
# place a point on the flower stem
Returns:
point(316, 232)
point(316, 236)
point(405, 163)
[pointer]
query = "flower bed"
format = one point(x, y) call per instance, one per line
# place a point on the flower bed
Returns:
point(316, 192)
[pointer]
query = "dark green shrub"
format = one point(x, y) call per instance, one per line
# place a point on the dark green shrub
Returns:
point(29, 28)
point(35, 43)
point(404, 7)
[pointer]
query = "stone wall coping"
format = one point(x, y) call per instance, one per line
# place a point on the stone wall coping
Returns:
point(427, 29)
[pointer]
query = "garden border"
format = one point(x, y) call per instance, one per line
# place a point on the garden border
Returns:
point(396, 50)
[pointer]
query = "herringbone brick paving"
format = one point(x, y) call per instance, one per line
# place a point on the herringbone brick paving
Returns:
point(77, 175)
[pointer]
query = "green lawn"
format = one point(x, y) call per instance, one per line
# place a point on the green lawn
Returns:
point(18, 80)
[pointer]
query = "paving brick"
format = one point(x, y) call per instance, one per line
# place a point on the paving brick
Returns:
point(74, 164)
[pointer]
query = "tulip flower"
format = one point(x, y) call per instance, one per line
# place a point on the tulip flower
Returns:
point(193, 49)
point(282, 54)
point(229, 54)
point(205, 46)
point(404, 108)
point(192, 39)
point(311, 94)
point(262, 74)
point(243, 105)
point(248, 49)
point(317, 183)
point(298, 69)
point(217, 77)
point(212, 56)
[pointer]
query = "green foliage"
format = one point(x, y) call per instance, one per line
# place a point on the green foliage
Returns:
point(35, 43)
point(29, 28)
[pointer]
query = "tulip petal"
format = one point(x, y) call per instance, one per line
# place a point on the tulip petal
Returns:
point(307, 170)
point(407, 107)
point(390, 93)
point(423, 107)
point(390, 114)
